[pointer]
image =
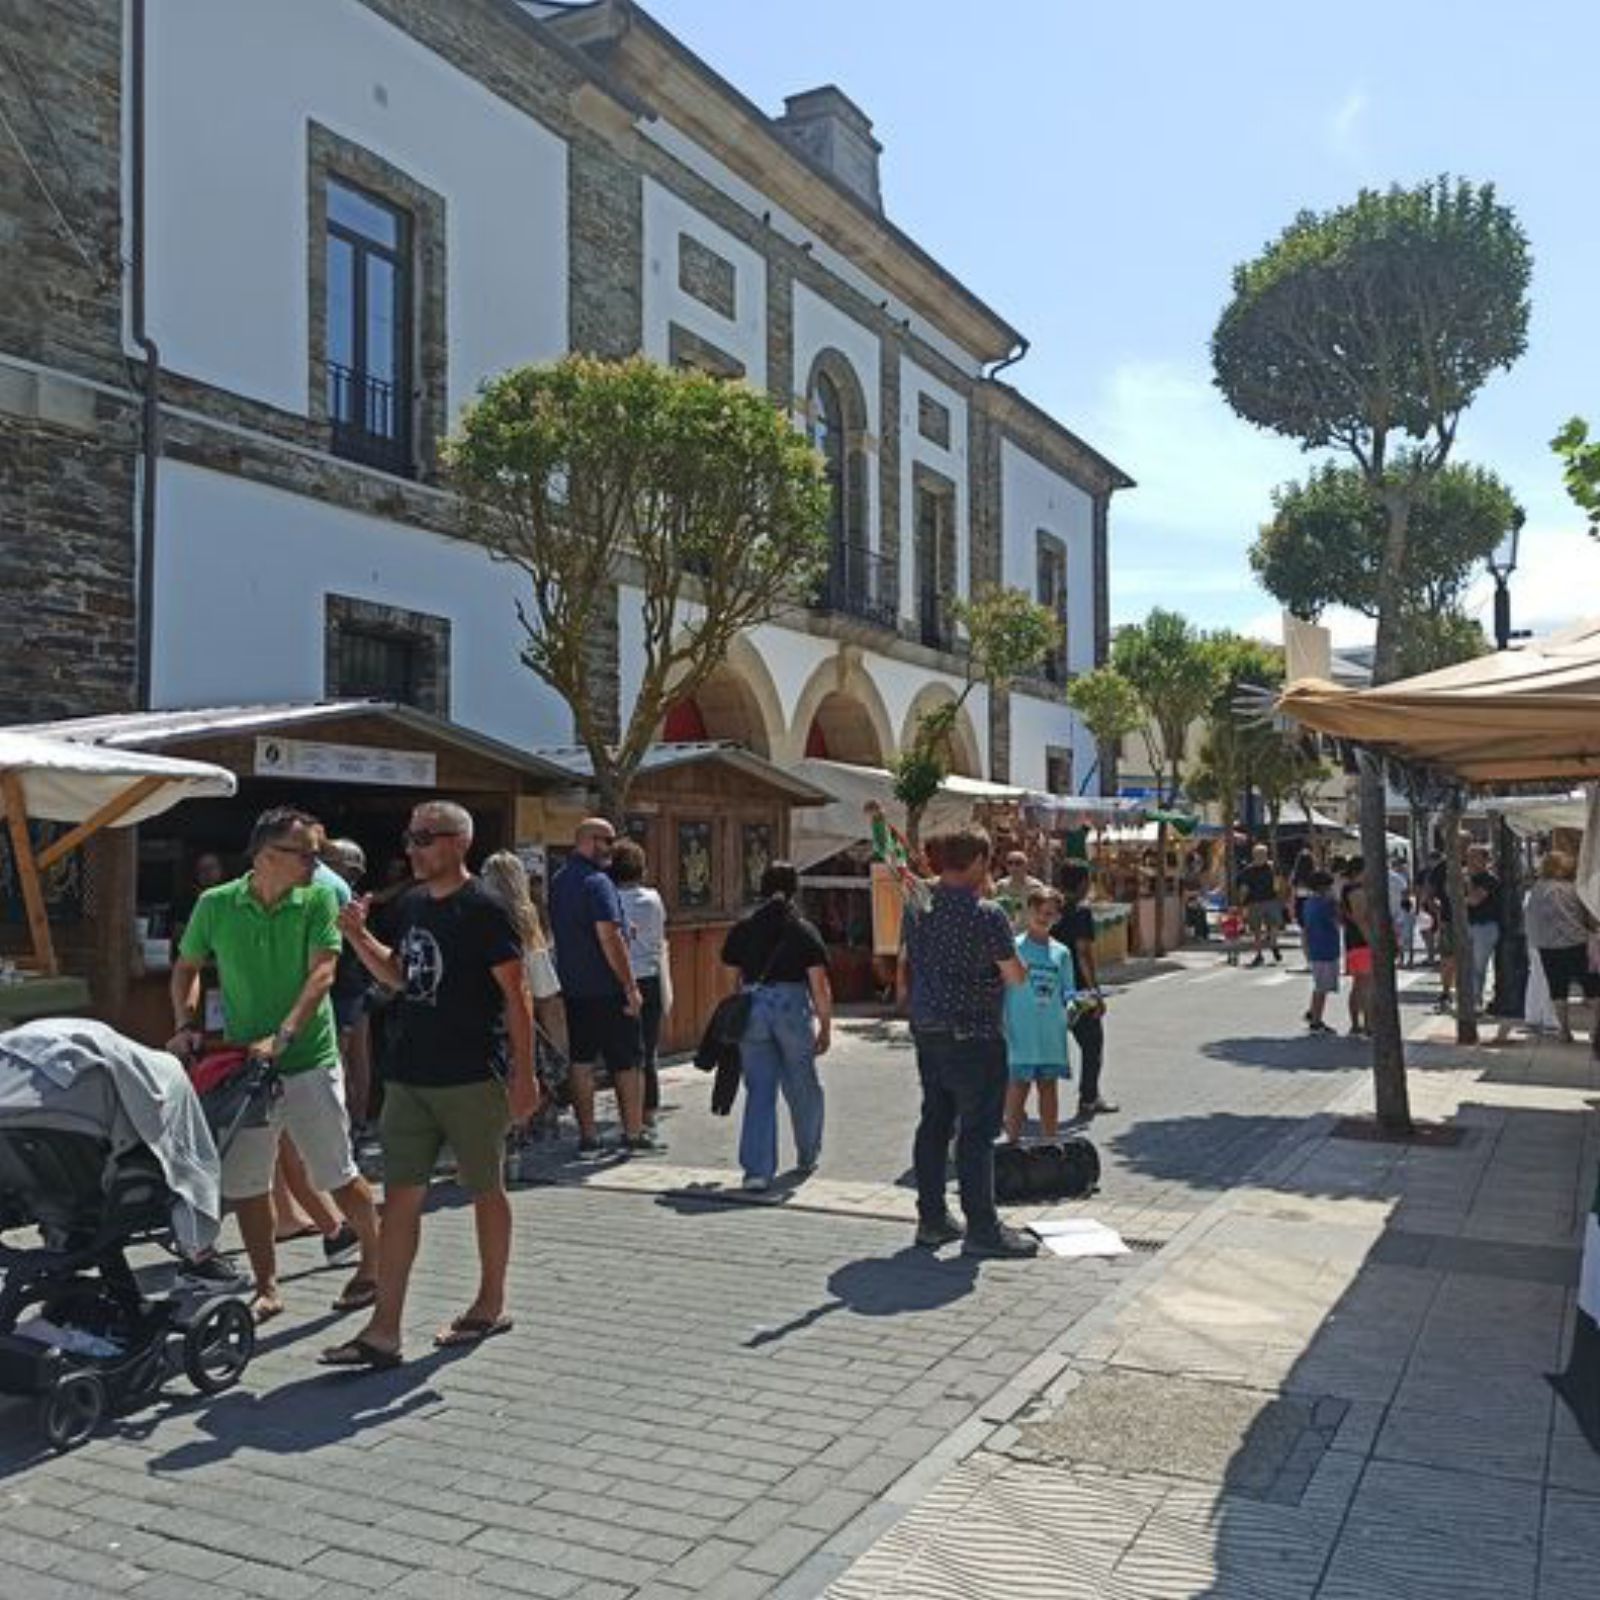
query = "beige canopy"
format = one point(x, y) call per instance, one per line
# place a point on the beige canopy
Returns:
point(1517, 716)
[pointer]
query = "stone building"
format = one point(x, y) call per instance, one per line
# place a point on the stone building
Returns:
point(254, 258)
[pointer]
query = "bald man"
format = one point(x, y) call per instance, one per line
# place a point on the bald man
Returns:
point(598, 986)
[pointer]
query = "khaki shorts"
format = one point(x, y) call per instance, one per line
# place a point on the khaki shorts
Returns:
point(419, 1119)
point(311, 1111)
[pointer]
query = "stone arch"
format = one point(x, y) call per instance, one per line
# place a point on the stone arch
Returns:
point(841, 699)
point(739, 703)
point(966, 754)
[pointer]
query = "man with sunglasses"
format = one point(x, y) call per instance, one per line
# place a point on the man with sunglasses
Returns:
point(456, 961)
point(275, 939)
point(598, 986)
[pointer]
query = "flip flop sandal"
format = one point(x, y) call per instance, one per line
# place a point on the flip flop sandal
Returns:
point(263, 1309)
point(358, 1294)
point(471, 1330)
point(360, 1355)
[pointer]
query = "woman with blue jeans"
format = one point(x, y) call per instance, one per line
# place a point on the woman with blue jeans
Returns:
point(784, 966)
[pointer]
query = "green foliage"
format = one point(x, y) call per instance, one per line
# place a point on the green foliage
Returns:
point(1008, 634)
point(698, 491)
point(1580, 469)
point(1107, 704)
point(1166, 661)
point(1326, 542)
point(1382, 317)
point(1430, 640)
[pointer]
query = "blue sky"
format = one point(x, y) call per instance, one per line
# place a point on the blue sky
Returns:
point(1095, 172)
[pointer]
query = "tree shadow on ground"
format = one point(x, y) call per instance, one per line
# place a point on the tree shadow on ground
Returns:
point(1210, 1151)
point(910, 1281)
point(1290, 1053)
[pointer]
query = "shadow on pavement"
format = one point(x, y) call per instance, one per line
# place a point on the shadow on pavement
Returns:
point(909, 1281)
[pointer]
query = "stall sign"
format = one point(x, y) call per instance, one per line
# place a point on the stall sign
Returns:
point(345, 763)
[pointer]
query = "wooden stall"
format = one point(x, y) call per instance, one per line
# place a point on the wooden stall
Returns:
point(359, 766)
point(710, 817)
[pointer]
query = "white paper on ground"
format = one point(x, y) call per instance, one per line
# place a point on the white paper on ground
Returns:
point(1078, 1236)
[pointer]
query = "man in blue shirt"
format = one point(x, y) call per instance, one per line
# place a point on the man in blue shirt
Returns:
point(958, 957)
point(602, 997)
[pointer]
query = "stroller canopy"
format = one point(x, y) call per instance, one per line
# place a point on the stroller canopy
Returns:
point(79, 1076)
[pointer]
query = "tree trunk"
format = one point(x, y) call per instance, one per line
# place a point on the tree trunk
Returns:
point(914, 816)
point(1390, 1094)
point(1456, 887)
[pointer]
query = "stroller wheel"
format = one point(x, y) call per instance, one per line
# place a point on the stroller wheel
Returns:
point(71, 1411)
point(218, 1345)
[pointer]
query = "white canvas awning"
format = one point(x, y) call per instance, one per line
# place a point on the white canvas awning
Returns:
point(824, 831)
point(66, 782)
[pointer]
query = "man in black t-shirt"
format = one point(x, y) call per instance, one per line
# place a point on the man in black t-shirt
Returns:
point(1076, 931)
point(1483, 918)
point(1263, 905)
point(457, 964)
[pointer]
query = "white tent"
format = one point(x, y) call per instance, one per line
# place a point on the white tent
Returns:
point(91, 787)
point(824, 831)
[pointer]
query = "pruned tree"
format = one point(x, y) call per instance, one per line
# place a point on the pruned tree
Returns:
point(1369, 330)
point(586, 474)
point(1166, 660)
point(1008, 634)
point(1326, 541)
point(1108, 706)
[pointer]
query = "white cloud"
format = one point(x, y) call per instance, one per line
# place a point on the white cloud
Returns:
point(1343, 130)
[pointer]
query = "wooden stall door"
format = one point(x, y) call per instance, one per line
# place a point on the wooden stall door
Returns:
point(699, 981)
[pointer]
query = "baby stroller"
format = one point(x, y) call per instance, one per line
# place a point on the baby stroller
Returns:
point(105, 1145)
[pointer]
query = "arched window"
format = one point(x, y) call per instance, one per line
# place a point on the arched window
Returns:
point(829, 436)
point(861, 581)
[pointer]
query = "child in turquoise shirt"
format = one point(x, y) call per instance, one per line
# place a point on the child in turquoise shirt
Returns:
point(1038, 1012)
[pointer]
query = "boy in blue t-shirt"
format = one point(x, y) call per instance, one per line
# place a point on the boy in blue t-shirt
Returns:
point(1319, 925)
point(1037, 1015)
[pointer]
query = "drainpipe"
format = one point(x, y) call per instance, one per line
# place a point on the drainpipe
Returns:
point(150, 421)
point(1010, 361)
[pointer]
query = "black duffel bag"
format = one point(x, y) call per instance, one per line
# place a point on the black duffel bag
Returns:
point(1027, 1174)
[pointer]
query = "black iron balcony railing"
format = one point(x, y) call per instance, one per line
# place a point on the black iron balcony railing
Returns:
point(861, 583)
point(371, 420)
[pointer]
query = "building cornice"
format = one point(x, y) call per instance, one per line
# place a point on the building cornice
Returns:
point(1033, 429)
point(652, 66)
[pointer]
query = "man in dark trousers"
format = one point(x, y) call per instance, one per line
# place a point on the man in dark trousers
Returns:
point(958, 957)
point(1076, 931)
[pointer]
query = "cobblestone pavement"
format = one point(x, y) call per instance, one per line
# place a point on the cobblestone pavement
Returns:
point(697, 1396)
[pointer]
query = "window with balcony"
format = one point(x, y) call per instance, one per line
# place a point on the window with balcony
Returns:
point(369, 287)
point(934, 558)
point(861, 581)
point(1052, 594)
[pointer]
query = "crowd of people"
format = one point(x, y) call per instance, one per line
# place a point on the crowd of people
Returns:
point(479, 988)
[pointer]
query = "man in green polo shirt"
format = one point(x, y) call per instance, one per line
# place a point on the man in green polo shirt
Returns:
point(274, 936)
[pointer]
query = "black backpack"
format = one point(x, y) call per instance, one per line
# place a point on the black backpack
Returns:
point(1030, 1173)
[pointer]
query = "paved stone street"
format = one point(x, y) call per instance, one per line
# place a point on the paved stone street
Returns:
point(698, 1396)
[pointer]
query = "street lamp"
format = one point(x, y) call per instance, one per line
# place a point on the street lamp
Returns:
point(1502, 563)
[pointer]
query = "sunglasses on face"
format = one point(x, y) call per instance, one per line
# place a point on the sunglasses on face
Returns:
point(421, 838)
point(295, 850)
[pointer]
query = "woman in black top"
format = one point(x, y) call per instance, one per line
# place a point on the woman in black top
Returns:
point(783, 962)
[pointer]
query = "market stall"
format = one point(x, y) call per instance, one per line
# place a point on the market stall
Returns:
point(57, 797)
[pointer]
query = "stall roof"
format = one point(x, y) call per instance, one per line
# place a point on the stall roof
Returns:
point(142, 730)
point(573, 761)
point(65, 781)
point(1516, 716)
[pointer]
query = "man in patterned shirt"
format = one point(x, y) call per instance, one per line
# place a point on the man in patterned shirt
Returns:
point(959, 955)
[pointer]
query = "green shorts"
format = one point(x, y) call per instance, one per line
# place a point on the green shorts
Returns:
point(420, 1119)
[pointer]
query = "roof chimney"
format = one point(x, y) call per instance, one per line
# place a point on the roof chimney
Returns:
point(837, 134)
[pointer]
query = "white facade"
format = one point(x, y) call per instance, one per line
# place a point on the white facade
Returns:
point(241, 575)
point(232, 87)
point(242, 569)
point(667, 220)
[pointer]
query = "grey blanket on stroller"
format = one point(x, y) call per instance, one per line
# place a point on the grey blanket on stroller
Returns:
point(79, 1075)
